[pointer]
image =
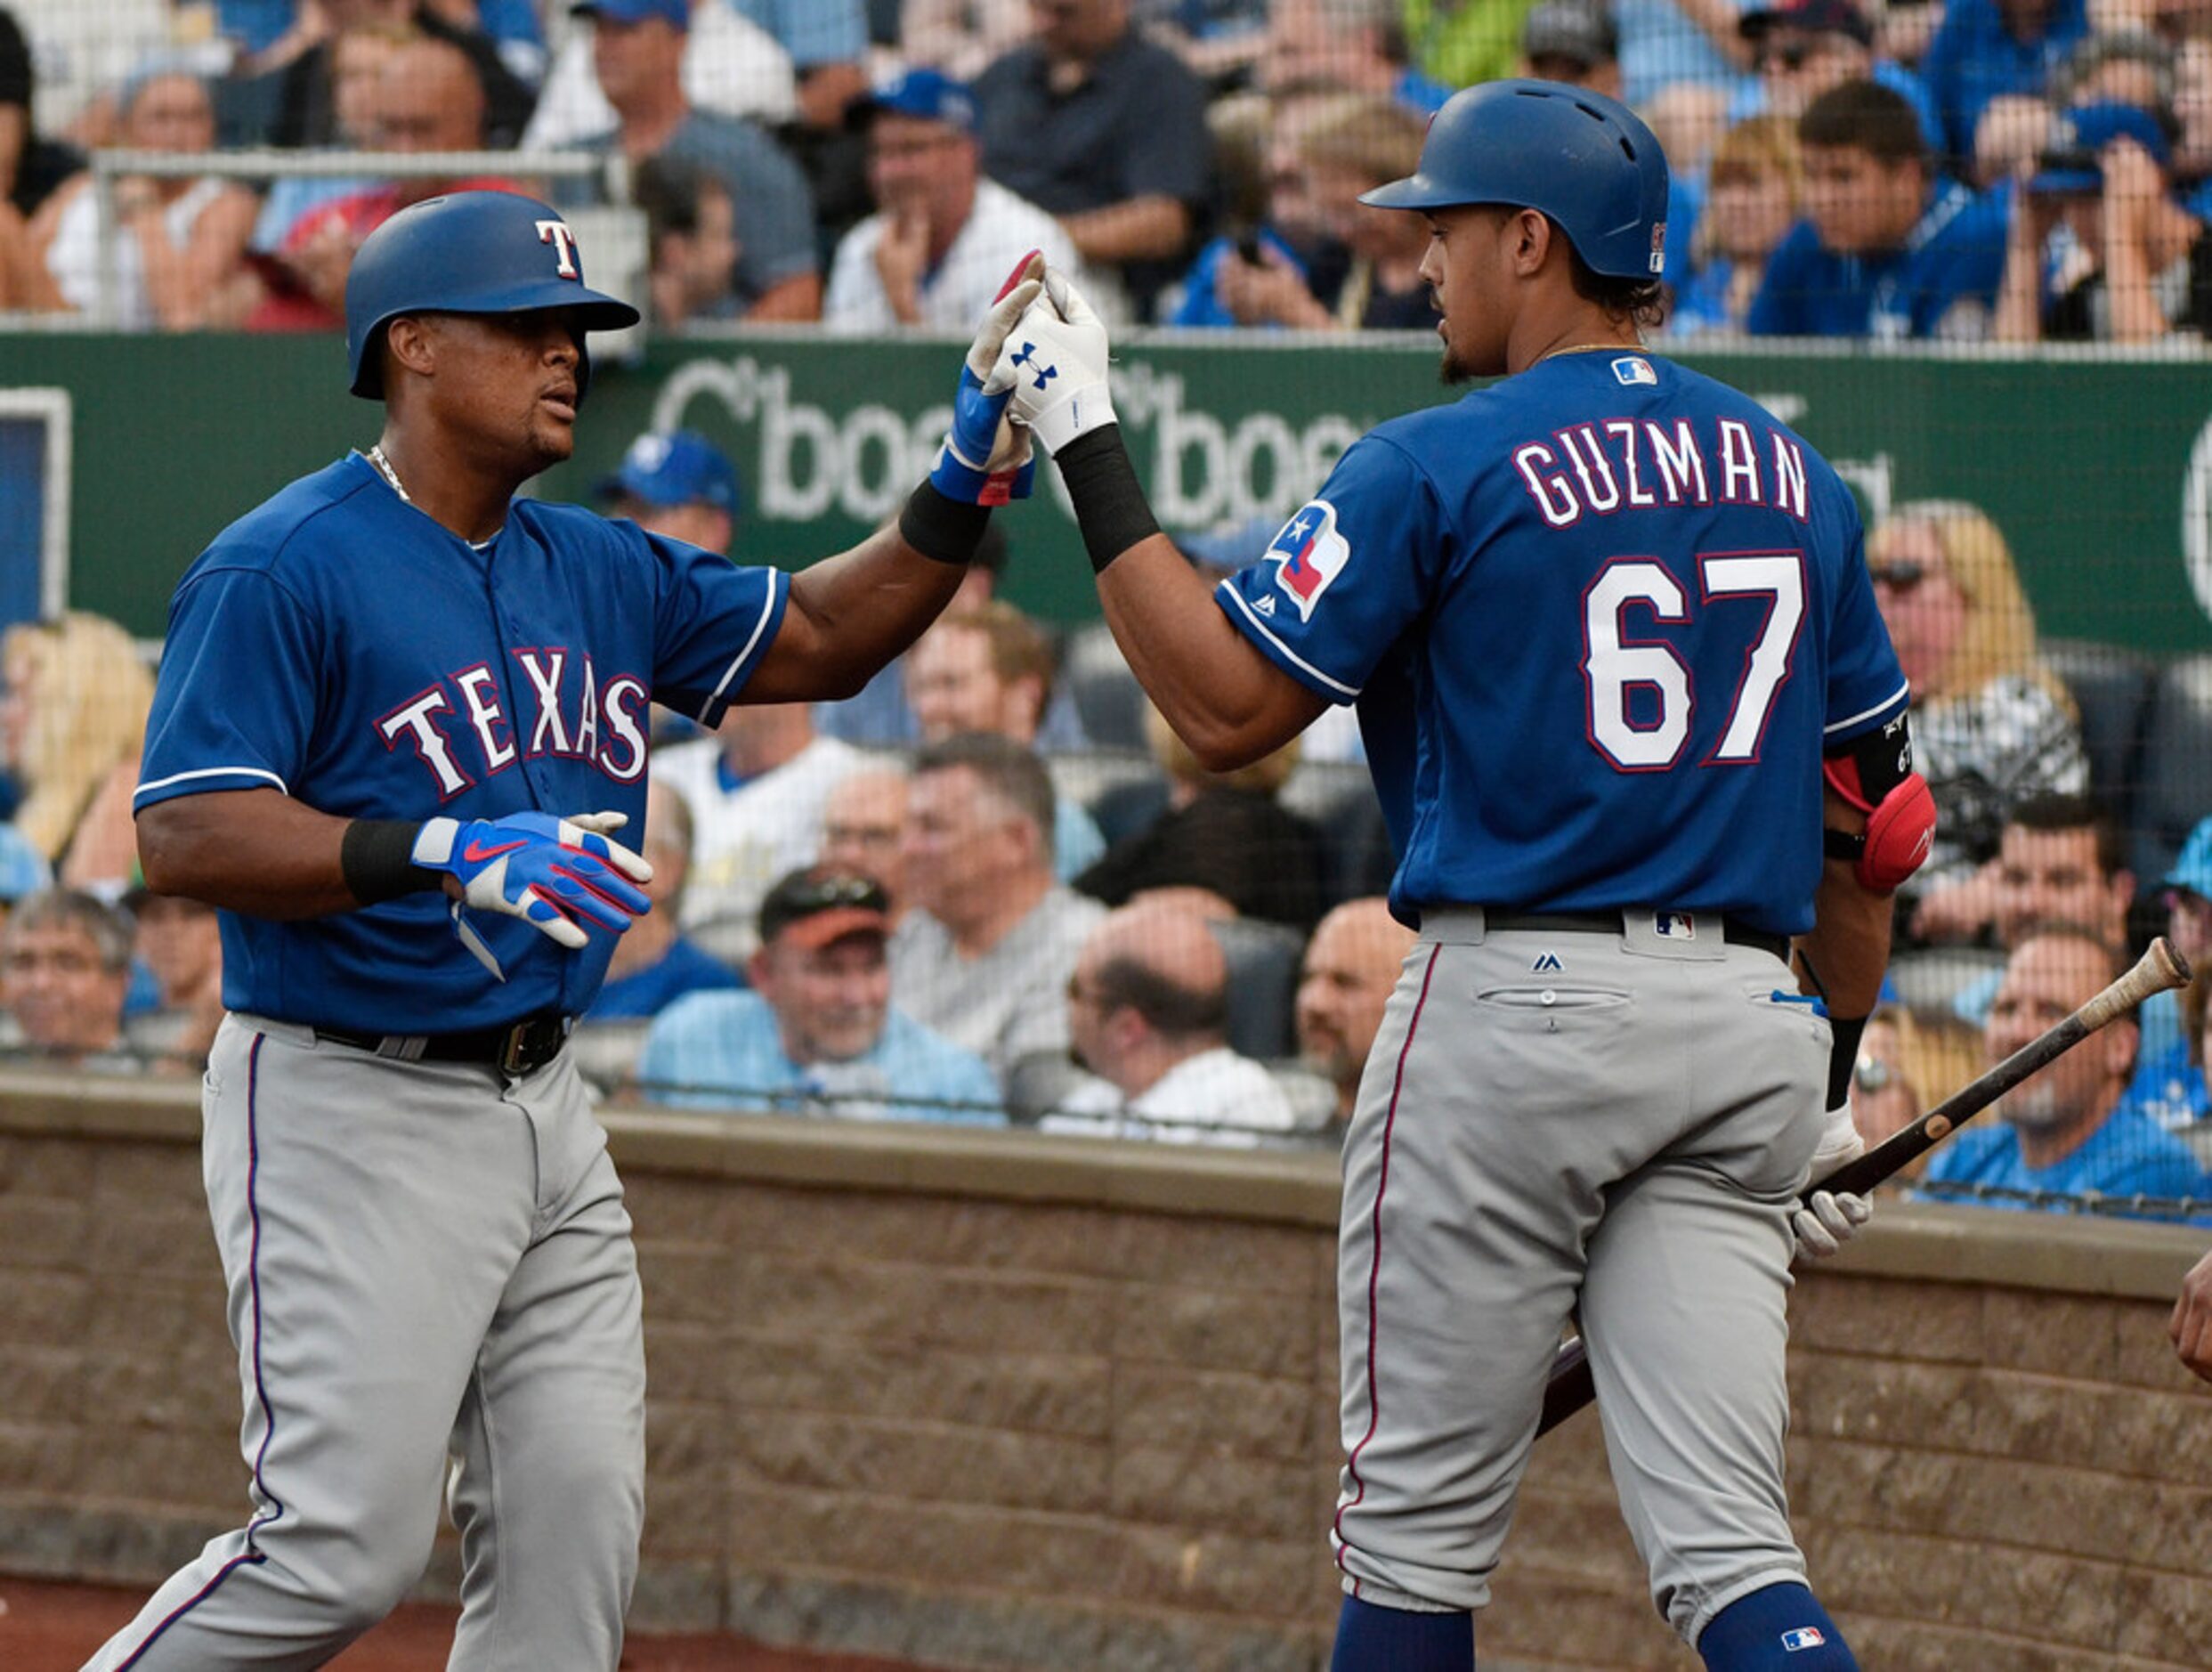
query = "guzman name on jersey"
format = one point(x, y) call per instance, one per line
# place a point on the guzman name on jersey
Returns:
point(1639, 464)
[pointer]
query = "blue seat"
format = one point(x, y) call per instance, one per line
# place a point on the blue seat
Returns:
point(2112, 687)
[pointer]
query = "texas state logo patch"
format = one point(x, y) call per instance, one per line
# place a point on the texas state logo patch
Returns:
point(1309, 554)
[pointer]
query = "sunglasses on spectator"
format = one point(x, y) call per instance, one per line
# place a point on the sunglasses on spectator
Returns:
point(1902, 576)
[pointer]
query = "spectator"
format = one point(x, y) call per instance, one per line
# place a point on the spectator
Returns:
point(1885, 1099)
point(1224, 831)
point(2008, 139)
point(826, 41)
point(680, 485)
point(989, 670)
point(306, 98)
point(88, 49)
point(1889, 249)
point(863, 831)
point(2098, 248)
point(1355, 45)
point(818, 1033)
point(74, 697)
point(1278, 236)
point(1991, 725)
point(1572, 41)
point(1984, 48)
point(637, 50)
point(960, 36)
point(1803, 48)
point(1669, 47)
point(1148, 1014)
point(179, 242)
point(651, 969)
point(1105, 130)
point(428, 98)
point(65, 965)
point(880, 716)
point(2170, 1077)
point(2070, 1128)
point(730, 66)
point(938, 248)
point(985, 957)
point(31, 165)
point(358, 56)
point(180, 943)
point(1350, 969)
point(1755, 188)
point(756, 792)
point(691, 236)
point(1220, 39)
point(2127, 66)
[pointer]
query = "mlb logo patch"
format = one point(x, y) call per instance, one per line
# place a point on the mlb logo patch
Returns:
point(1634, 369)
point(1801, 1637)
point(1309, 554)
point(1675, 925)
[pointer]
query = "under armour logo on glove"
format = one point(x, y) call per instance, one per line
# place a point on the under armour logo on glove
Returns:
point(1026, 358)
point(556, 874)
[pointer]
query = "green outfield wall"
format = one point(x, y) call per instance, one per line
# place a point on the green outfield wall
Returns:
point(2098, 469)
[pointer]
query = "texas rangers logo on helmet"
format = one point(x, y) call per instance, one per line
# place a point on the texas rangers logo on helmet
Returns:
point(563, 241)
point(1310, 554)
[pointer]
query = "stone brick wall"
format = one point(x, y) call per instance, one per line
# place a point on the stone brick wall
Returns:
point(999, 1402)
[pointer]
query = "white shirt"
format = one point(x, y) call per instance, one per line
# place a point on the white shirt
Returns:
point(731, 64)
point(1216, 1097)
point(954, 295)
point(743, 840)
point(73, 257)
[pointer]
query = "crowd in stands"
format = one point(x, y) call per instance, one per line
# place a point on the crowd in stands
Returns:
point(2013, 170)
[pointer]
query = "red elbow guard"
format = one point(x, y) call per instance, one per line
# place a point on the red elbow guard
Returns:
point(1901, 828)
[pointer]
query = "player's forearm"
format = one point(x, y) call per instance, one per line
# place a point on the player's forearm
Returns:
point(848, 616)
point(255, 851)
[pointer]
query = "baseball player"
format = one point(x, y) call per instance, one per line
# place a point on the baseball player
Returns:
point(1607, 625)
point(400, 718)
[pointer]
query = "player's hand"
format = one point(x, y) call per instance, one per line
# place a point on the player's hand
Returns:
point(986, 459)
point(1829, 1219)
point(1057, 359)
point(556, 874)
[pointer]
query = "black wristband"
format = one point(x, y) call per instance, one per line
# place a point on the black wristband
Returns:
point(1845, 1059)
point(943, 528)
point(376, 857)
point(1110, 504)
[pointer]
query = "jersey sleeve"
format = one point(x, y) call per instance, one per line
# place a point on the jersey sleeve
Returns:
point(234, 706)
point(1866, 687)
point(715, 622)
point(1346, 575)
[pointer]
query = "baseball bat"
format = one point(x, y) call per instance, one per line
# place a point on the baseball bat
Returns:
point(1571, 1386)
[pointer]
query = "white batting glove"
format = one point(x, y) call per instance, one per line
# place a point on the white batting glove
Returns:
point(1057, 353)
point(1829, 1218)
point(986, 458)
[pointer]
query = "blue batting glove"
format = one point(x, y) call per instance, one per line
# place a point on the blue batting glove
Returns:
point(549, 871)
point(986, 458)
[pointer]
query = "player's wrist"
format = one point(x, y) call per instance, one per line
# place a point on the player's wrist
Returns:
point(940, 527)
point(1110, 504)
point(376, 857)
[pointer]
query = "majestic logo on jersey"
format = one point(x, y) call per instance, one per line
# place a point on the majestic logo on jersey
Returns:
point(1311, 553)
point(563, 241)
point(1548, 964)
point(1634, 369)
point(1801, 1637)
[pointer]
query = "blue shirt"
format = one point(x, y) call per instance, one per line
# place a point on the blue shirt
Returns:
point(1973, 58)
point(2129, 1155)
point(811, 31)
point(2160, 1051)
point(1598, 619)
point(1954, 253)
point(338, 645)
point(683, 969)
point(725, 1050)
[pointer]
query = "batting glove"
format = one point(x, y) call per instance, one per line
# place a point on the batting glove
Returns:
point(1057, 358)
point(1829, 1219)
point(548, 872)
point(986, 459)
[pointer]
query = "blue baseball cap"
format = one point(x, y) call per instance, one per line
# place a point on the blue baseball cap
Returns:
point(682, 468)
point(2194, 869)
point(677, 11)
point(2070, 161)
point(929, 95)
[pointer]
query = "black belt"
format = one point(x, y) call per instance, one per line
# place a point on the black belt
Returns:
point(1733, 930)
point(515, 1048)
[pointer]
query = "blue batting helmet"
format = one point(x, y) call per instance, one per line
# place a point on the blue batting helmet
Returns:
point(1583, 159)
point(466, 252)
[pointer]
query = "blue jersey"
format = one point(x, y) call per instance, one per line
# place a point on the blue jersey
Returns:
point(339, 645)
point(1954, 254)
point(1599, 619)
